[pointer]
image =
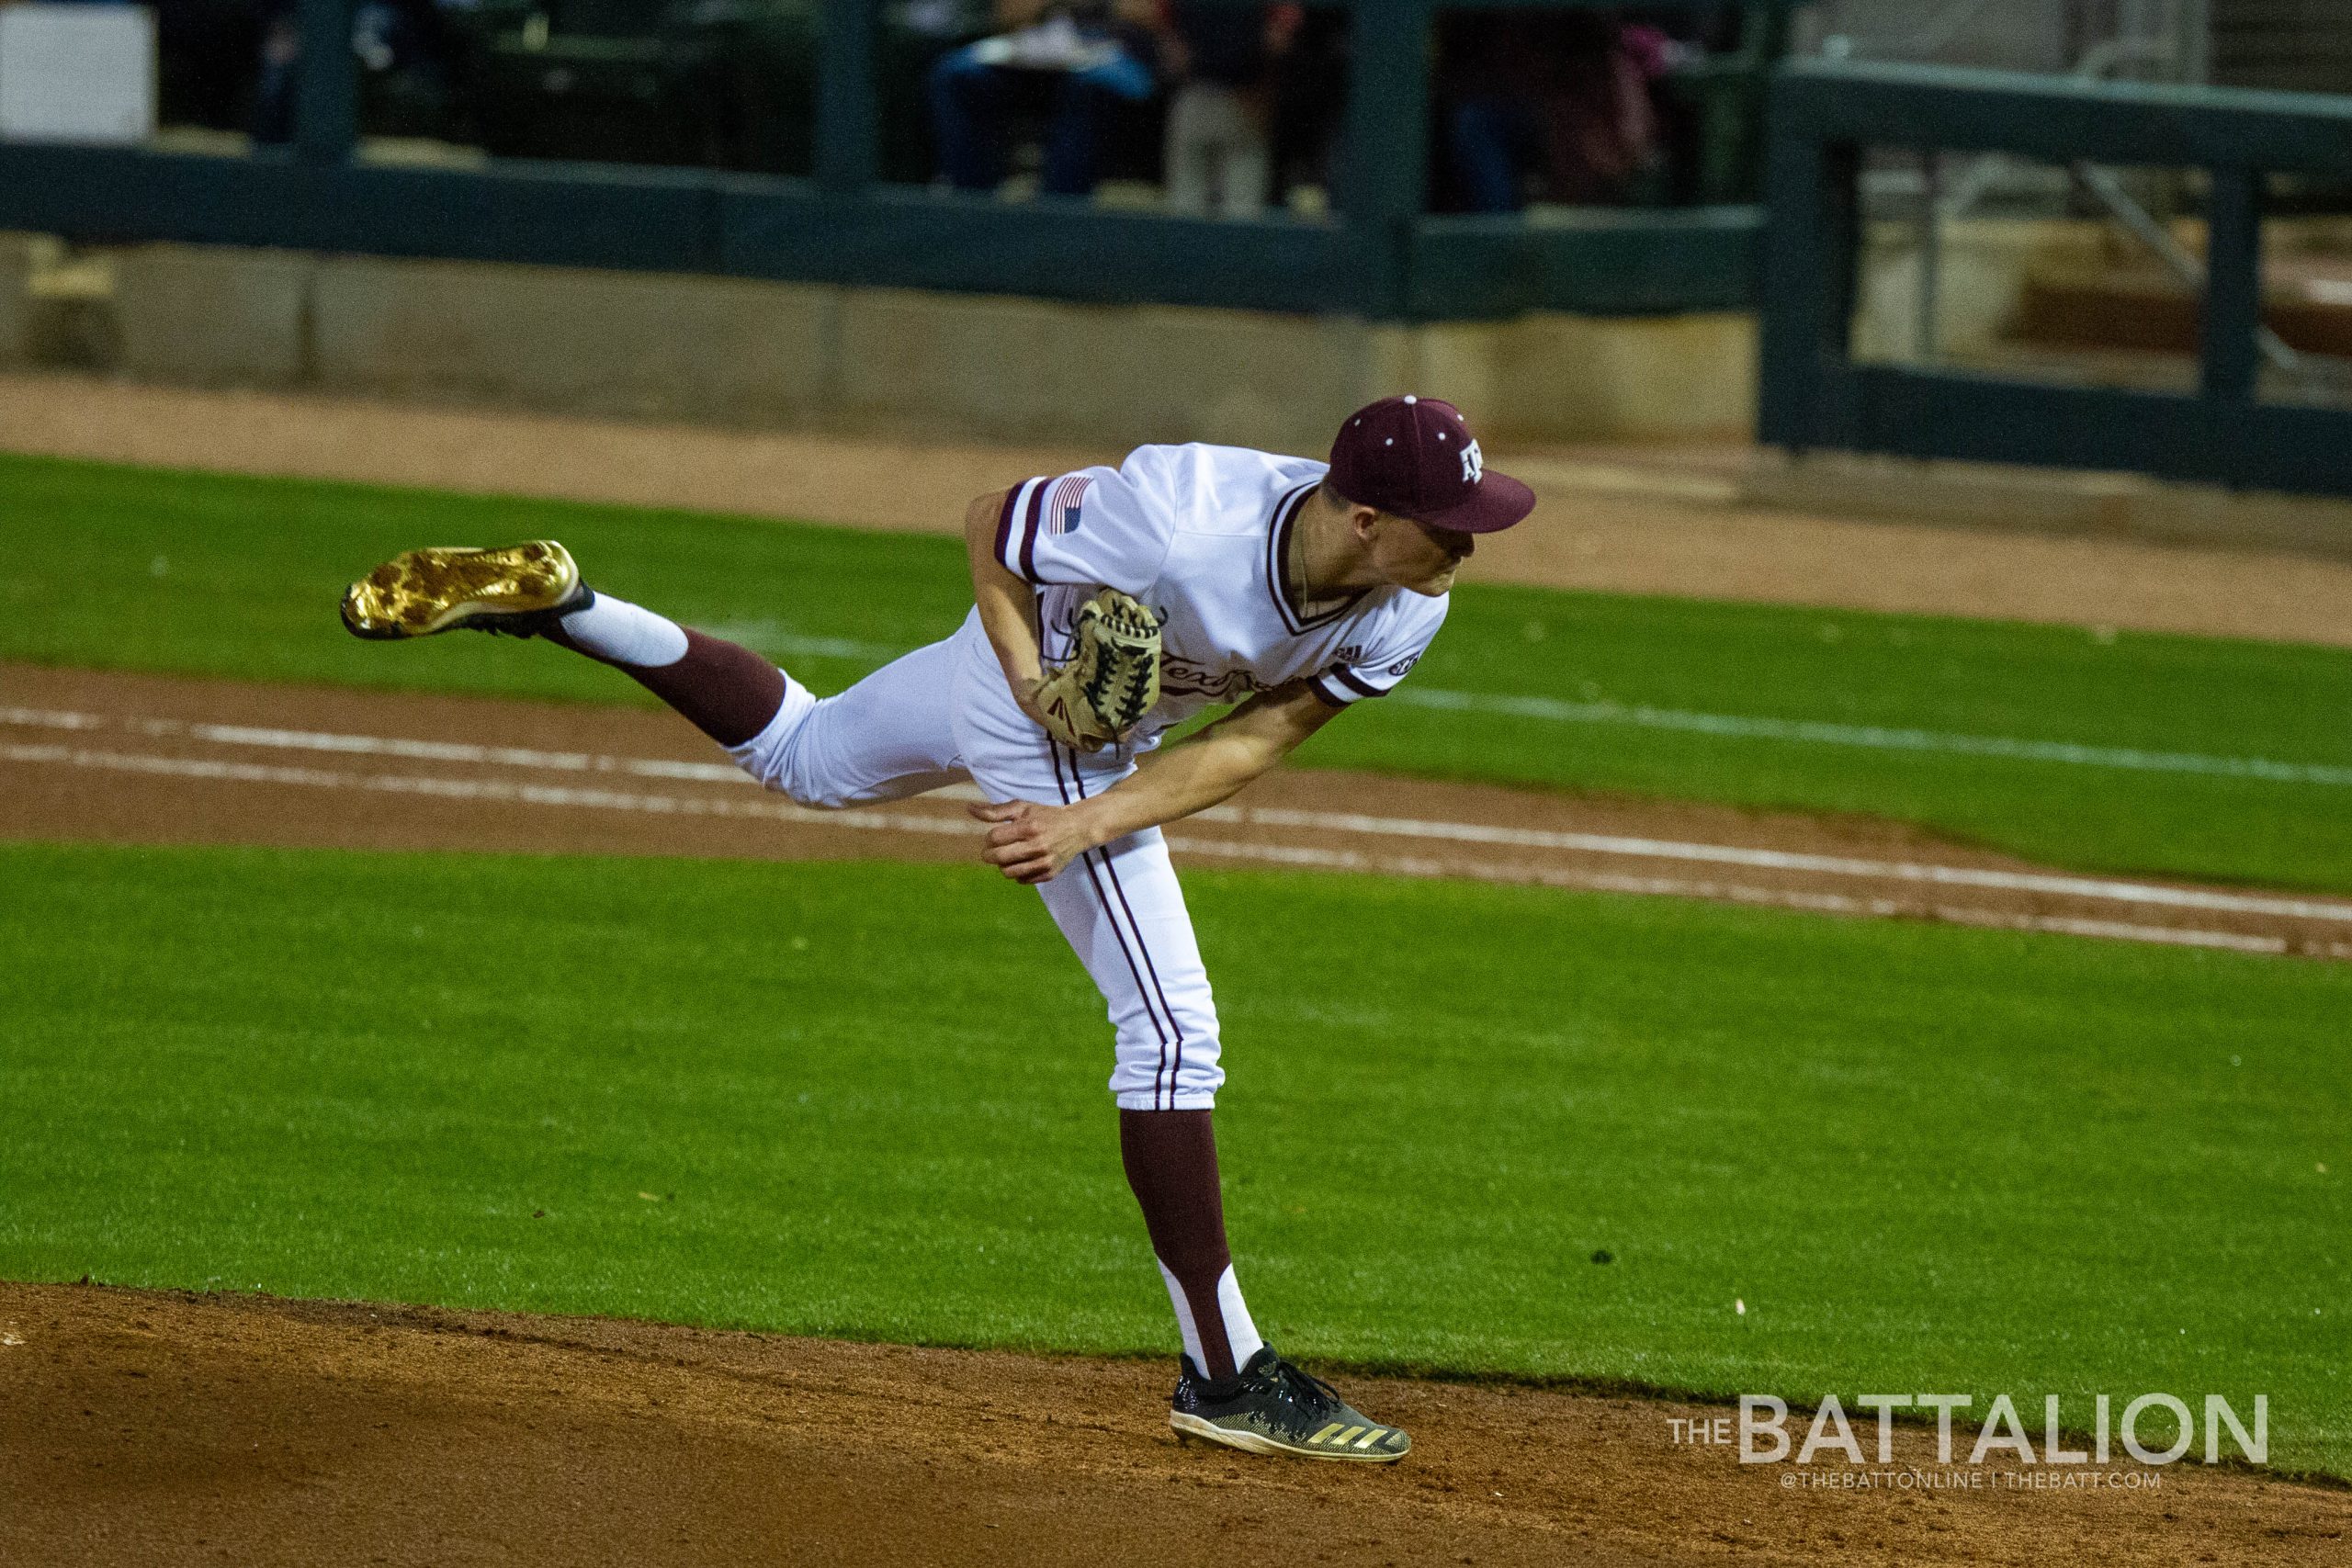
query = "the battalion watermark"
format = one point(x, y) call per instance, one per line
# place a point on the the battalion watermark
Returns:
point(2151, 1430)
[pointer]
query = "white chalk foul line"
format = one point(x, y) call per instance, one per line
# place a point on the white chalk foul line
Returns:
point(778, 640)
point(2102, 889)
point(442, 750)
point(494, 790)
point(1875, 738)
point(774, 638)
point(1827, 865)
point(1740, 893)
point(899, 820)
point(378, 746)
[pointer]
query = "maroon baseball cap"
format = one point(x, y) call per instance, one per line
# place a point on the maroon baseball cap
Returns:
point(1414, 456)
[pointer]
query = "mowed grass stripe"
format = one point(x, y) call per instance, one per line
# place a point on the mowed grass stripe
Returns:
point(135, 568)
point(867, 1100)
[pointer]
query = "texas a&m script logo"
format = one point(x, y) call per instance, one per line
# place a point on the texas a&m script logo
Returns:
point(1183, 678)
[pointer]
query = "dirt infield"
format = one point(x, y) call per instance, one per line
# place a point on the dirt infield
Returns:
point(149, 1428)
point(158, 760)
point(1637, 521)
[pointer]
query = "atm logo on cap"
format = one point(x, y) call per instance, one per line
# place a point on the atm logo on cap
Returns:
point(1473, 464)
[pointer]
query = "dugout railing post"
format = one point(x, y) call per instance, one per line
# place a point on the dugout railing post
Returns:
point(1382, 188)
point(849, 114)
point(326, 92)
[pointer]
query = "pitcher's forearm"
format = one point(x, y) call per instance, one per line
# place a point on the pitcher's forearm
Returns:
point(1204, 772)
point(1007, 613)
point(1210, 768)
point(1007, 606)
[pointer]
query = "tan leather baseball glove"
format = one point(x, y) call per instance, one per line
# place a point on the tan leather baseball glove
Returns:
point(1112, 679)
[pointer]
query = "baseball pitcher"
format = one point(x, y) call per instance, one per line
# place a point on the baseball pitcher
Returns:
point(1109, 605)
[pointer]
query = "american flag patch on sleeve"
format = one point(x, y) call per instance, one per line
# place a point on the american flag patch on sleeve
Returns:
point(1062, 506)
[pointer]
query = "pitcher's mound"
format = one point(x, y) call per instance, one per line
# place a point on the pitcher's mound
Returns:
point(151, 1427)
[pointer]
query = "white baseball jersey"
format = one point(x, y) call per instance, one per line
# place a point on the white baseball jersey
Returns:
point(1199, 533)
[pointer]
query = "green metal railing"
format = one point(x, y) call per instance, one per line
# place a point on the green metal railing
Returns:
point(1383, 256)
point(1823, 118)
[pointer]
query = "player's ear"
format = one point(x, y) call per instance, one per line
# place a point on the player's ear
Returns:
point(1365, 521)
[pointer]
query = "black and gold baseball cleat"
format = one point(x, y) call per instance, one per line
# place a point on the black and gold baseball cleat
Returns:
point(1272, 1407)
point(519, 590)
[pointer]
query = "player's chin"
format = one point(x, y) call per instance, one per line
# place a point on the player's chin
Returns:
point(1432, 587)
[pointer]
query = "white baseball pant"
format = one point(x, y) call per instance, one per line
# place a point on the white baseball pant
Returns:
point(943, 715)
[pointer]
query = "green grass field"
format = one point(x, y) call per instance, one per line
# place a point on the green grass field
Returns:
point(156, 570)
point(1926, 1159)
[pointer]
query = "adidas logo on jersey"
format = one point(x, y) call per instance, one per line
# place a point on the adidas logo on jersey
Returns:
point(1352, 653)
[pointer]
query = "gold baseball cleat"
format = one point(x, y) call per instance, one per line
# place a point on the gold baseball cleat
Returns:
point(519, 590)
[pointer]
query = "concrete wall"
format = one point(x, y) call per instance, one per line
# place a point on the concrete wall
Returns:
point(213, 317)
point(897, 362)
point(598, 343)
point(1984, 266)
point(1028, 369)
point(1673, 376)
point(16, 278)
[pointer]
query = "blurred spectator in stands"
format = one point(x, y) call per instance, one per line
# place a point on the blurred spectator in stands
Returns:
point(400, 43)
point(281, 62)
point(1087, 55)
point(1683, 38)
point(1219, 137)
point(1310, 95)
point(1563, 96)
